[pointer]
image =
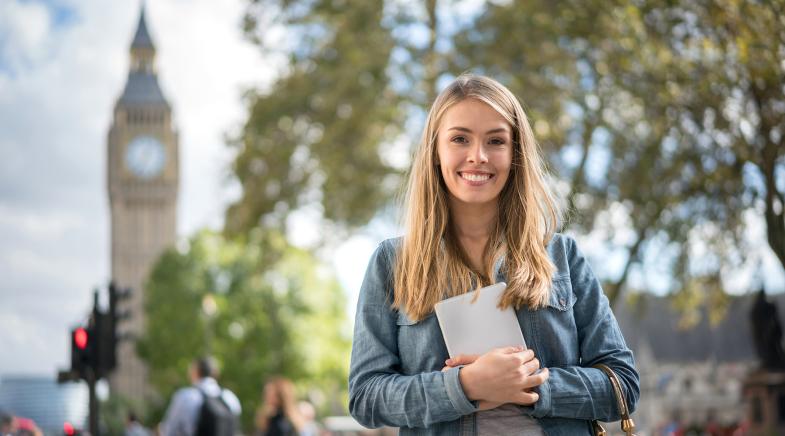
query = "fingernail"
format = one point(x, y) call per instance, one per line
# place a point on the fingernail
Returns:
point(448, 362)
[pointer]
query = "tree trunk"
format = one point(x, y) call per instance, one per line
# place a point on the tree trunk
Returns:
point(431, 58)
point(614, 290)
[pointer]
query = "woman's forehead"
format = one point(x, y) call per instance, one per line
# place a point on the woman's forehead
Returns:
point(474, 116)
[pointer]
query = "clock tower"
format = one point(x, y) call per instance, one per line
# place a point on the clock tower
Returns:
point(142, 176)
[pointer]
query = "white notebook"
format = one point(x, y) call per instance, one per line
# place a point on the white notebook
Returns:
point(476, 327)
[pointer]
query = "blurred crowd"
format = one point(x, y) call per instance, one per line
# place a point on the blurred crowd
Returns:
point(711, 427)
point(17, 426)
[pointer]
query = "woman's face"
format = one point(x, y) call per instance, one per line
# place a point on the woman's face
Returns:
point(474, 146)
point(271, 395)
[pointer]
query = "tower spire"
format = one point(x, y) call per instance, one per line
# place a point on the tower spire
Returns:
point(142, 48)
point(142, 85)
point(142, 37)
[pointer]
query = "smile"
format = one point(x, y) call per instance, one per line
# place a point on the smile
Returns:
point(475, 177)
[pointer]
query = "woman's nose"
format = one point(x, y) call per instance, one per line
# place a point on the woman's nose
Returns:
point(478, 154)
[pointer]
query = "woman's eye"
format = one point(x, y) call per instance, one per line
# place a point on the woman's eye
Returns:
point(497, 141)
point(460, 139)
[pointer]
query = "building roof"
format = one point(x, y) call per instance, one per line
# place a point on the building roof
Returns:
point(142, 89)
point(655, 325)
point(142, 37)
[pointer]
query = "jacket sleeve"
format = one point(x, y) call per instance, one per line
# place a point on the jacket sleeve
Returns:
point(379, 394)
point(584, 392)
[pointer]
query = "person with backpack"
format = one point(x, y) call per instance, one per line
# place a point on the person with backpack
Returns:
point(204, 408)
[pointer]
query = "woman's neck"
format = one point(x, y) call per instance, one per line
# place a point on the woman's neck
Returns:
point(473, 221)
point(472, 224)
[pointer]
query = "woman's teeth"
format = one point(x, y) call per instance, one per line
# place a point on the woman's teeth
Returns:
point(476, 177)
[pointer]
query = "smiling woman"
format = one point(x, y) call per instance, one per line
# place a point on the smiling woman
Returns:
point(475, 162)
point(480, 212)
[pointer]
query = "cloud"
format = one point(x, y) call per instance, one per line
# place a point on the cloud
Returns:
point(23, 31)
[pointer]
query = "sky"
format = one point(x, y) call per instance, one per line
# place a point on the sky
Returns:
point(63, 63)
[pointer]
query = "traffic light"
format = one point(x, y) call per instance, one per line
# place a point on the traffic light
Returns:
point(114, 318)
point(94, 346)
point(82, 350)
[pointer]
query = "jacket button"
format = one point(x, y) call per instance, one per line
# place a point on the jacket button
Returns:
point(562, 301)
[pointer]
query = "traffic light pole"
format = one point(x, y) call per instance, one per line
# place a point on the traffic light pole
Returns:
point(94, 348)
point(93, 402)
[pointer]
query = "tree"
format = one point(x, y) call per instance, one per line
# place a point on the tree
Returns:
point(317, 136)
point(285, 318)
point(660, 117)
point(647, 87)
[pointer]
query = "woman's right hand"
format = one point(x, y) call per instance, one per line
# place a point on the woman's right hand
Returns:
point(502, 375)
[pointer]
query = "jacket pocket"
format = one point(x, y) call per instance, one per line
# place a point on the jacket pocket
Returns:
point(556, 333)
point(562, 298)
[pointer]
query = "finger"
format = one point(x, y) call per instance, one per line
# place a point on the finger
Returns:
point(524, 356)
point(509, 350)
point(535, 380)
point(446, 368)
point(531, 366)
point(526, 398)
point(462, 359)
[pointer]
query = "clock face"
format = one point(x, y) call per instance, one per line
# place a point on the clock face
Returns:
point(145, 156)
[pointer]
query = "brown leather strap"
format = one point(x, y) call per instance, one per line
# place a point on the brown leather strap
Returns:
point(627, 425)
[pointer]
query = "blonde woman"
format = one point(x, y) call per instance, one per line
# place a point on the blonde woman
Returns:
point(479, 211)
point(279, 414)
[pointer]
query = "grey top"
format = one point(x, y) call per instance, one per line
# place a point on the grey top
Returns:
point(507, 419)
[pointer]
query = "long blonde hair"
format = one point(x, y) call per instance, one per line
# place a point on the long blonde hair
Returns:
point(285, 401)
point(431, 263)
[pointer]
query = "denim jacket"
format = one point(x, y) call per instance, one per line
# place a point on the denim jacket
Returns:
point(395, 376)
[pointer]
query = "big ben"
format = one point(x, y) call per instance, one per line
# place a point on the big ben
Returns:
point(142, 178)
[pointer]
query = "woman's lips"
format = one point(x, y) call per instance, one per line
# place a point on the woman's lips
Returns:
point(475, 178)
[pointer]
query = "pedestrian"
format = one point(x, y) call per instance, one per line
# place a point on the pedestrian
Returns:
point(133, 427)
point(204, 408)
point(310, 426)
point(6, 423)
point(480, 210)
point(279, 414)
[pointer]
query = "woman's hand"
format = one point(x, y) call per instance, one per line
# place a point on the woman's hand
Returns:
point(502, 375)
point(482, 404)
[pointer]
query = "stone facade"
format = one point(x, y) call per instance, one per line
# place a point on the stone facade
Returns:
point(142, 176)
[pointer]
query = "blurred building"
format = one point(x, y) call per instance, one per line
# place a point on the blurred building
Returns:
point(690, 375)
point(45, 401)
point(142, 178)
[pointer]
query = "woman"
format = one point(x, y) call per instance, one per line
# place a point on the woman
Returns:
point(478, 211)
point(279, 415)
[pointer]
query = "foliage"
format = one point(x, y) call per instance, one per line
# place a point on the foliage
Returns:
point(318, 135)
point(662, 118)
point(282, 318)
point(114, 413)
point(632, 76)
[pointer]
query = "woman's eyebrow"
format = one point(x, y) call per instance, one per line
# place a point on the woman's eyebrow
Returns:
point(464, 129)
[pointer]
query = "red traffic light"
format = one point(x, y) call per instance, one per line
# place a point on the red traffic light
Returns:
point(80, 338)
point(68, 429)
